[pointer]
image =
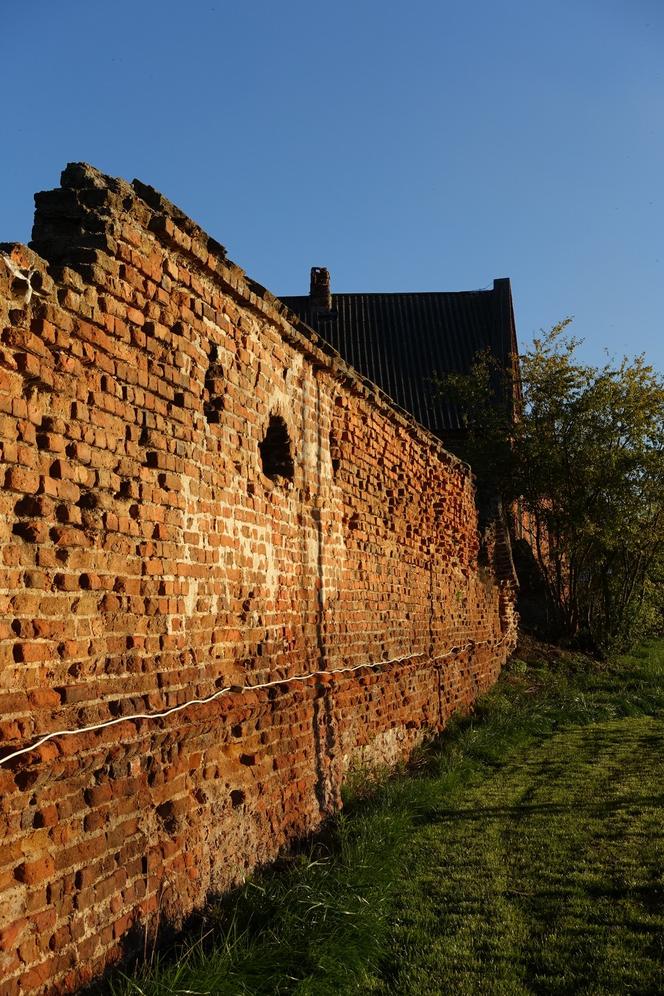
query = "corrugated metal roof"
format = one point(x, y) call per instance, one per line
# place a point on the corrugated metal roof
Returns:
point(400, 341)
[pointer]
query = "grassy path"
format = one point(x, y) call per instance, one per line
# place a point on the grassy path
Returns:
point(546, 878)
point(526, 855)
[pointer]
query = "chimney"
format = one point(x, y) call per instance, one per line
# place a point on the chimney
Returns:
point(320, 296)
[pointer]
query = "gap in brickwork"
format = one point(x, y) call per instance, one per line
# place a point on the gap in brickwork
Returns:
point(213, 401)
point(335, 452)
point(275, 450)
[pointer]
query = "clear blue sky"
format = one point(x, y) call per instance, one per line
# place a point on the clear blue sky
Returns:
point(424, 146)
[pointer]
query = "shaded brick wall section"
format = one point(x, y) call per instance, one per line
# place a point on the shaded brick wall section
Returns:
point(146, 560)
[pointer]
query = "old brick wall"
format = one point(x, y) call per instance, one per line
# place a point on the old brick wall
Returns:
point(146, 560)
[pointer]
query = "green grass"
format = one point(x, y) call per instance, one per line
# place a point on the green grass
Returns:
point(525, 854)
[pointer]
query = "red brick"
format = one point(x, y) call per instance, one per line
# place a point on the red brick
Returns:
point(147, 560)
point(30, 652)
point(22, 480)
point(34, 872)
point(70, 537)
point(9, 935)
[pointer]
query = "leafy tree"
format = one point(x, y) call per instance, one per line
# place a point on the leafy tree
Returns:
point(579, 451)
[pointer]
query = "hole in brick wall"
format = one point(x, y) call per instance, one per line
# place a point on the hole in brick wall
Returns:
point(28, 505)
point(25, 779)
point(36, 281)
point(167, 817)
point(335, 452)
point(275, 450)
point(19, 286)
point(243, 615)
point(143, 436)
point(213, 387)
point(28, 531)
point(88, 500)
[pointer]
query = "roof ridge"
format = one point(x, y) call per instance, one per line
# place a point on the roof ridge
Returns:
point(479, 290)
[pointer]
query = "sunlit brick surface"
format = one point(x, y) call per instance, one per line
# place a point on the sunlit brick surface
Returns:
point(146, 560)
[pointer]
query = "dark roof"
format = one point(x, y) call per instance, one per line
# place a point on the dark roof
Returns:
point(400, 341)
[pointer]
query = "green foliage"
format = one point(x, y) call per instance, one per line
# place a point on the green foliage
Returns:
point(581, 449)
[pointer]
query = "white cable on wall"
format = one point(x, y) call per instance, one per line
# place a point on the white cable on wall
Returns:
point(234, 689)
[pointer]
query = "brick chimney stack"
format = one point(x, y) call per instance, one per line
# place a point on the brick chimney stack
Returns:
point(320, 294)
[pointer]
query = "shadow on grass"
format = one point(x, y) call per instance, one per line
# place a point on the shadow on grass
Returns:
point(483, 813)
point(509, 860)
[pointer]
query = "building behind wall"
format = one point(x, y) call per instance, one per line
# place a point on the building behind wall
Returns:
point(402, 341)
point(201, 501)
